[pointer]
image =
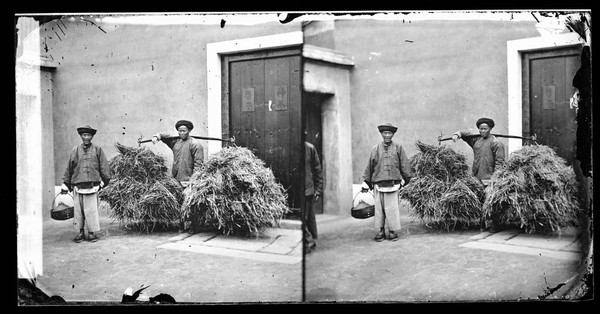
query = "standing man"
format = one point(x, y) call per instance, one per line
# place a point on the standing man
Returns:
point(188, 153)
point(388, 168)
point(488, 154)
point(313, 187)
point(188, 156)
point(87, 172)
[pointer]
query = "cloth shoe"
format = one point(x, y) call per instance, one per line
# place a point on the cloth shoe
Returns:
point(92, 237)
point(79, 238)
point(311, 248)
point(380, 236)
point(393, 236)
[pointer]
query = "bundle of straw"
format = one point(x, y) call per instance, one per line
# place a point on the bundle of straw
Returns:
point(140, 164)
point(441, 162)
point(534, 190)
point(141, 195)
point(423, 193)
point(443, 193)
point(461, 205)
point(235, 193)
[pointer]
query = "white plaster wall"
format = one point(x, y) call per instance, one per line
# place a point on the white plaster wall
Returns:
point(29, 151)
point(336, 129)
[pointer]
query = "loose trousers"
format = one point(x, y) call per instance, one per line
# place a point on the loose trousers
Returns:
point(387, 210)
point(492, 220)
point(86, 212)
point(309, 220)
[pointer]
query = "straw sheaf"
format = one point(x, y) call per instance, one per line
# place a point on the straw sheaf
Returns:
point(235, 193)
point(141, 195)
point(443, 193)
point(535, 190)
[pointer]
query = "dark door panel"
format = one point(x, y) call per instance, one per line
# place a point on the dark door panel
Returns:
point(548, 77)
point(265, 114)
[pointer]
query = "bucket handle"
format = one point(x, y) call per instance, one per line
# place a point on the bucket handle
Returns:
point(354, 198)
point(61, 192)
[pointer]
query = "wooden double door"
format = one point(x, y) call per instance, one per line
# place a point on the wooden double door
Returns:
point(547, 92)
point(262, 105)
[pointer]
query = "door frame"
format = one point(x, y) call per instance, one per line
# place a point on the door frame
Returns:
point(514, 52)
point(214, 86)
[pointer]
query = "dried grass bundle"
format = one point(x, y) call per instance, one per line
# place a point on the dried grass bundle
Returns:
point(534, 190)
point(160, 207)
point(441, 162)
point(235, 193)
point(462, 206)
point(140, 164)
point(141, 195)
point(443, 193)
point(423, 194)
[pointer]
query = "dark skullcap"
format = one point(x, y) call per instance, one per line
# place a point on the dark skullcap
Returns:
point(187, 123)
point(387, 127)
point(86, 129)
point(487, 121)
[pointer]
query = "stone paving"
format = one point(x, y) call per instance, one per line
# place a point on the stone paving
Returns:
point(274, 245)
point(514, 241)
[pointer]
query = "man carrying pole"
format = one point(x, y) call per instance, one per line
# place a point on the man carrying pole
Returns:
point(188, 156)
point(488, 154)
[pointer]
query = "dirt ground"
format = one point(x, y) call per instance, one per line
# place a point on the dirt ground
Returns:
point(347, 266)
point(101, 271)
point(424, 266)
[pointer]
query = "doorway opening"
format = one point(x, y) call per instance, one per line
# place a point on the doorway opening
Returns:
point(312, 104)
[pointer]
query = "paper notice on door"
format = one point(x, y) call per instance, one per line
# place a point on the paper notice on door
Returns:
point(248, 99)
point(279, 96)
point(548, 98)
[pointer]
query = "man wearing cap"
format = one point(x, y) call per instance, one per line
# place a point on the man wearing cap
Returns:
point(188, 156)
point(488, 154)
point(87, 172)
point(188, 153)
point(388, 168)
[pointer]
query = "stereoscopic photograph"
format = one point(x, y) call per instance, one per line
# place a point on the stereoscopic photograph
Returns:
point(285, 158)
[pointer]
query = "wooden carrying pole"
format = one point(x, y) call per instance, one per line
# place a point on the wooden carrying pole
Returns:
point(230, 140)
point(531, 138)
